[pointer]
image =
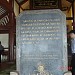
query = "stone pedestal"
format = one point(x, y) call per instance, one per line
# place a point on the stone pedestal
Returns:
point(13, 73)
point(68, 73)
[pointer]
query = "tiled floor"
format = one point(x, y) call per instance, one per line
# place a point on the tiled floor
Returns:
point(6, 68)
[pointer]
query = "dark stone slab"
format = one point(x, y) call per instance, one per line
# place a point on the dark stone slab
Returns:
point(41, 42)
point(43, 4)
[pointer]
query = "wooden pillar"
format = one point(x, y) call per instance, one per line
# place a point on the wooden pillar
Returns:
point(11, 2)
point(11, 45)
point(11, 31)
point(73, 10)
point(59, 4)
point(73, 25)
point(73, 14)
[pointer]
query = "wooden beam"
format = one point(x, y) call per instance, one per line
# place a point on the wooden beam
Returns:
point(69, 18)
point(22, 8)
point(3, 31)
point(17, 2)
point(69, 7)
point(70, 1)
point(19, 6)
point(23, 2)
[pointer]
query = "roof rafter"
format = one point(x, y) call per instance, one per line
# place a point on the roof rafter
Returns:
point(19, 5)
point(3, 15)
point(5, 5)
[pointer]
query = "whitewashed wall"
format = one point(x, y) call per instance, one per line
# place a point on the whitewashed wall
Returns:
point(4, 38)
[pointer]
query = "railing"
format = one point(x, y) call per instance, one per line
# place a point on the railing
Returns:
point(4, 21)
point(4, 56)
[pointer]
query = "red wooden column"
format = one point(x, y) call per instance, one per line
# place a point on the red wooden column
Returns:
point(11, 31)
point(11, 45)
point(73, 25)
point(11, 36)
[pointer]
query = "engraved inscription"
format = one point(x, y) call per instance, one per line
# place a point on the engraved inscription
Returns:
point(44, 29)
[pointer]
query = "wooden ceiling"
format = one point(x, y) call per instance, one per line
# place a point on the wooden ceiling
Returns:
point(5, 10)
point(2, 10)
point(5, 7)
